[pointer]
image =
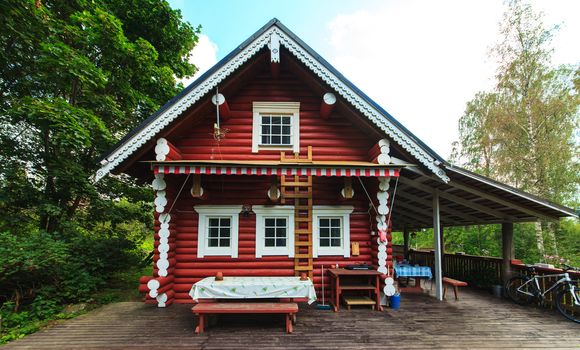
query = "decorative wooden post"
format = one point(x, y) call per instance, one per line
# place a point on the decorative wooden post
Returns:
point(507, 247)
point(160, 288)
point(274, 46)
point(437, 253)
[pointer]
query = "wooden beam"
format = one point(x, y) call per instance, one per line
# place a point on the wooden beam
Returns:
point(507, 247)
point(220, 100)
point(438, 247)
point(411, 216)
point(498, 200)
point(426, 202)
point(426, 212)
point(454, 198)
point(327, 105)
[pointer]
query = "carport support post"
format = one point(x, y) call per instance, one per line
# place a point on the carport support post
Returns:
point(507, 247)
point(406, 242)
point(438, 246)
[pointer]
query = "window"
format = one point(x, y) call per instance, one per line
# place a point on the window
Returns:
point(276, 126)
point(274, 230)
point(276, 130)
point(217, 230)
point(331, 230)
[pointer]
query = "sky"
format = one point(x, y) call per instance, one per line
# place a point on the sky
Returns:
point(421, 60)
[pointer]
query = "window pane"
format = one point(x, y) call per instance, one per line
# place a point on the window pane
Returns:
point(266, 120)
point(335, 222)
point(281, 222)
point(281, 232)
point(286, 130)
point(285, 140)
point(324, 242)
point(270, 232)
point(265, 140)
point(335, 232)
point(224, 242)
point(212, 242)
point(270, 222)
point(324, 222)
point(276, 130)
point(324, 232)
point(265, 129)
point(286, 120)
point(214, 222)
point(276, 140)
point(225, 232)
point(335, 242)
point(270, 242)
point(276, 120)
point(213, 232)
point(225, 222)
point(281, 242)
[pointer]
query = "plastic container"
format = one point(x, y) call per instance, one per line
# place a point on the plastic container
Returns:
point(396, 301)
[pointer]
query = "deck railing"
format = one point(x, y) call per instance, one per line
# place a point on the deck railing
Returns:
point(476, 270)
point(483, 271)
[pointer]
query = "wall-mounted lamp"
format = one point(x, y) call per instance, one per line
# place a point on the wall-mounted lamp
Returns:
point(246, 210)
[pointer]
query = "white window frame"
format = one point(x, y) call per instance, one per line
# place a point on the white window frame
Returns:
point(284, 108)
point(280, 211)
point(322, 211)
point(205, 213)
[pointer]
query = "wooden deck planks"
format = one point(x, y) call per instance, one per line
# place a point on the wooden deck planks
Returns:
point(476, 321)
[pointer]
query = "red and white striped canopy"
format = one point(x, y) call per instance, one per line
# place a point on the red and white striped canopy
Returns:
point(275, 170)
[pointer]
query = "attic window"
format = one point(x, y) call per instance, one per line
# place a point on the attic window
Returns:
point(276, 126)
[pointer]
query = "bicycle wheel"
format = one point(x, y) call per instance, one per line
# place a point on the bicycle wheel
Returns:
point(519, 296)
point(565, 304)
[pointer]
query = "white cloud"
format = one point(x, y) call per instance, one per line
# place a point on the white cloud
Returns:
point(420, 61)
point(204, 56)
point(423, 60)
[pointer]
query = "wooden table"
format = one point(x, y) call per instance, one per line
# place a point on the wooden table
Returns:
point(354, 280)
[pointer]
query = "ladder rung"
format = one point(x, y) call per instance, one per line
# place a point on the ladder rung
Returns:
point(296, 184)
point(302, 244)
point(302, 231)
point(297, 195)
point(303, 268)
point(302, 256)
point(298, 219)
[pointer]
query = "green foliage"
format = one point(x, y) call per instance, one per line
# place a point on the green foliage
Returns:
point(75, 76)
point(524, 131)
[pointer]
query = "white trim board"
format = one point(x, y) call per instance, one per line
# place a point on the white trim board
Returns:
point(279, 211)
point(207, 211)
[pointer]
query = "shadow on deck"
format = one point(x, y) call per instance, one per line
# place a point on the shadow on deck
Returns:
point(477, 320)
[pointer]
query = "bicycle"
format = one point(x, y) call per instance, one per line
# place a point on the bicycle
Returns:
point(524, 289)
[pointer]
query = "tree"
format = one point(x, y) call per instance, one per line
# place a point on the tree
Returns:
point(522, 132)
point(75, 76)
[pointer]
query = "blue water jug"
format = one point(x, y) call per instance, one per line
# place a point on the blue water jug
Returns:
point(396, 301)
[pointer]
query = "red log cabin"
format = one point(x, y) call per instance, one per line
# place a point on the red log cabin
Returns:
point(270, 164)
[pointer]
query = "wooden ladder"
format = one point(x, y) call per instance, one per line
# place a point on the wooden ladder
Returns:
point(299, 189)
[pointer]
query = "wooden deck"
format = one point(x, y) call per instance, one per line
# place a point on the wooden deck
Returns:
point(477, 320)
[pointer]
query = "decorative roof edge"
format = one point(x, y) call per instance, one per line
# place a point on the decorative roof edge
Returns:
point(207, 82)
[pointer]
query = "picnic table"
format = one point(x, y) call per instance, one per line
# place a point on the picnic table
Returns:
point(236, 287)
point(417, 272)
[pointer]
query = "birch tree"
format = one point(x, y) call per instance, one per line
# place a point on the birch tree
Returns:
point(522, 133)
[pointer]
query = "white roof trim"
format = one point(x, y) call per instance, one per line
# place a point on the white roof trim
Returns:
point(169, 115)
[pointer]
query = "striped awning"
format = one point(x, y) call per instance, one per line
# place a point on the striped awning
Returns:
point(276, 170)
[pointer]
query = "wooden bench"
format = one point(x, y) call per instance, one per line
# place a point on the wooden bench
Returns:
point(203, 309)
point(455, 283)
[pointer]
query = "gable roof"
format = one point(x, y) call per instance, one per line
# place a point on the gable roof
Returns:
point(153, 125)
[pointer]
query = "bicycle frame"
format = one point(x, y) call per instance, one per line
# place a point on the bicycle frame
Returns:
point(541, 294)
